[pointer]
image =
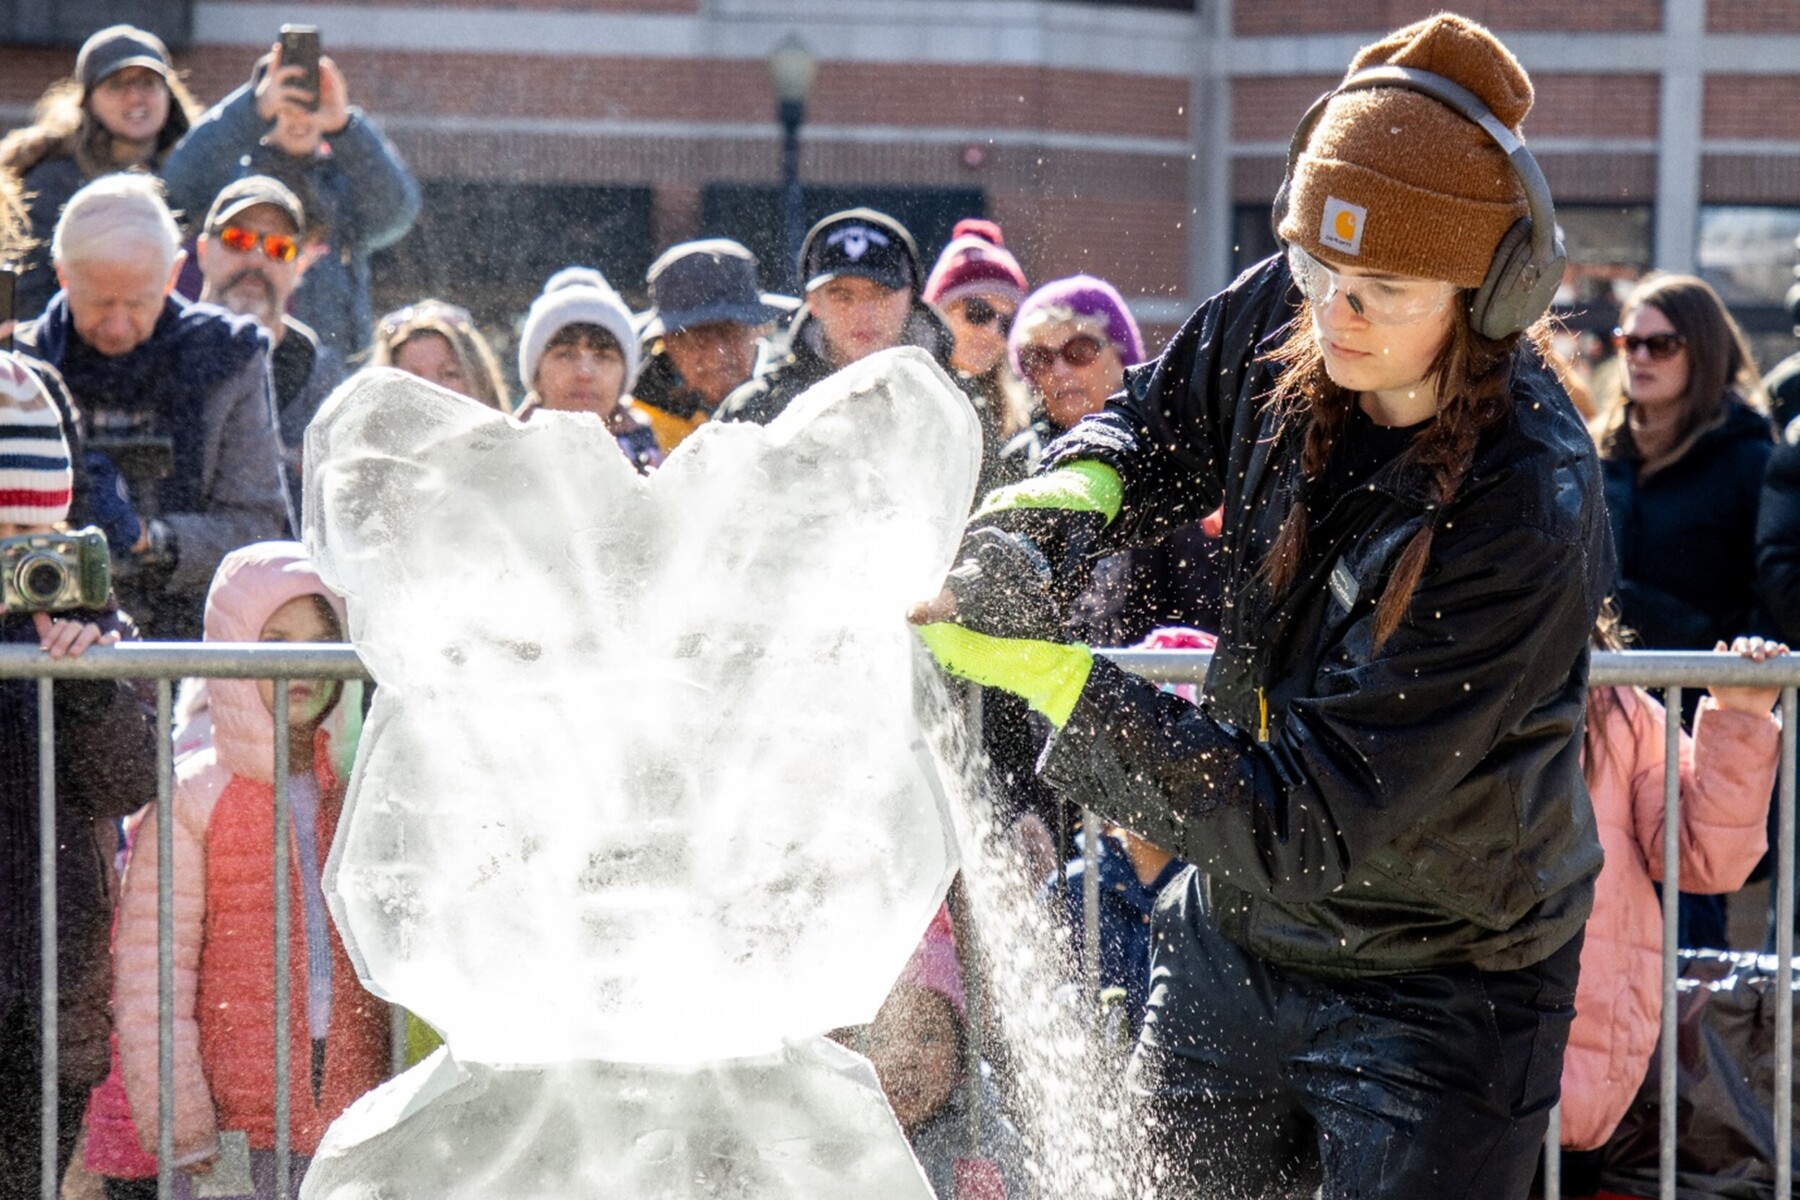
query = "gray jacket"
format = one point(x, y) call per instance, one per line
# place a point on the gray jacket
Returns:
point(356, 189)
point(201, 386)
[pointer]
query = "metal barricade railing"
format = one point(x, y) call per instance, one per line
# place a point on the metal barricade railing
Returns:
point(167, 662)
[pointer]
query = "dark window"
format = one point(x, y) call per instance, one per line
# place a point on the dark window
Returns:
point(752, 213)
point(490, 246)
point(69, 22)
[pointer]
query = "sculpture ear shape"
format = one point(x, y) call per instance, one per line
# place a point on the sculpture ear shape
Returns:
point(894, 433)
point(368, 450)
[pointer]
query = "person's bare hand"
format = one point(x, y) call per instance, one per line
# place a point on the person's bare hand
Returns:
point(1756, 701)
point(280, 86)
point(6, 329)
point(334, 98)
point(62, 636)
point(941, 607)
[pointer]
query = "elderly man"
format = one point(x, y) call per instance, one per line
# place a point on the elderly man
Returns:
point(175, 399)
point(253, 250)
point(355, 186)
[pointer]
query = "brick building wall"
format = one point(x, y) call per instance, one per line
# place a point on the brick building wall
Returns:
point(1129, 142)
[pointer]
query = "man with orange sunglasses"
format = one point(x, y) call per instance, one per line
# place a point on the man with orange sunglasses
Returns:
point(253, 251)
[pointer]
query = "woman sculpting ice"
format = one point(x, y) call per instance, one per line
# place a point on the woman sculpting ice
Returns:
point(1369, 977)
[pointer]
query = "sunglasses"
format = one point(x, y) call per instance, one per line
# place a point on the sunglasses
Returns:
point(279, 247)
point(1078, 351)
point(978, 312)
point(1662, 346)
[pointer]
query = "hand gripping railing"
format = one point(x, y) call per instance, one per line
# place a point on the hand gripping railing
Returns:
point(165, 662)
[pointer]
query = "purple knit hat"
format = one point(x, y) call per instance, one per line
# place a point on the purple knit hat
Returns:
point(1085, 296)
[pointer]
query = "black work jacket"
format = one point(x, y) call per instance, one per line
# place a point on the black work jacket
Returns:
point(1416, 808)
point(794, 361)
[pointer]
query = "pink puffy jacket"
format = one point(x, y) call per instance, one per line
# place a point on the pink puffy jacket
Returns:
point(224, 914)
point(1727, 772)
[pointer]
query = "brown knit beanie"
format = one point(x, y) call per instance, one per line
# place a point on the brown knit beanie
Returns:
point(1392, 180)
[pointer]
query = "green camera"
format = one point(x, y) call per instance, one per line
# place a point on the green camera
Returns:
point(50, 572)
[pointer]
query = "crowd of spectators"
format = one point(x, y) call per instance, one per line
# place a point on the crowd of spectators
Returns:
point(194, 285)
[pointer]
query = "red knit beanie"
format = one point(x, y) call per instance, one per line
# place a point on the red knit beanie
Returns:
point(976, 262)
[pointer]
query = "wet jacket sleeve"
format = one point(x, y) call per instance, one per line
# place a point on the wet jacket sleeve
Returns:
point(1498, 619)
point(208, 157)
point(245, 497)
point(1168, 433)
point(383, 193)
point(1778, 541)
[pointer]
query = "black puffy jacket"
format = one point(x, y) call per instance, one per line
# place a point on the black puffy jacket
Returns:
point(1686, 535)
point(1778, 537)
point(1409, 809)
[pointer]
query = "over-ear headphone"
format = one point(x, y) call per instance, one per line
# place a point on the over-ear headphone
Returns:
point(1528, 263)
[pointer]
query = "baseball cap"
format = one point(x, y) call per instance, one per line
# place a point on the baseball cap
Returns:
point(705, 282)
point(119, 46)
point(251, 191)
point(860, 241)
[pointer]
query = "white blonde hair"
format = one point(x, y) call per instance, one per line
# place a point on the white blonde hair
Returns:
point(117, 216)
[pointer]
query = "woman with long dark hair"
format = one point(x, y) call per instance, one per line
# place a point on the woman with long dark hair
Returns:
point(1684, 441)
point(124, 108)
point(1368, 979)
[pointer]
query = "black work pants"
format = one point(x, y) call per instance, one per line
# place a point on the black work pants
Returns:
point(1261, 1083)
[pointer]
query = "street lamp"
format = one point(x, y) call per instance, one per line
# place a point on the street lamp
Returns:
point(791, 67)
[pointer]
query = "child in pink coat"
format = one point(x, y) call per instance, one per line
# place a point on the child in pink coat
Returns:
point(1727, 772)
point(223, 835)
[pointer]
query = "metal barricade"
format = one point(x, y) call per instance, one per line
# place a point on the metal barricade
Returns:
point(167, 662)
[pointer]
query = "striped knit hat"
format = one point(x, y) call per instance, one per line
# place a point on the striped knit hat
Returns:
point(35, 479)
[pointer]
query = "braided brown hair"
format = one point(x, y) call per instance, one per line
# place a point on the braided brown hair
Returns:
point(1471, 375)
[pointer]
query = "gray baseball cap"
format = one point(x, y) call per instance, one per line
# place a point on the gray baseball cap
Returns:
point(117, 47)
point(251, 191)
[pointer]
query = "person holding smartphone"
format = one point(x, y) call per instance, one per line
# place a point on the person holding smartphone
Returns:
point(356, 190)
point(123, 109)
point(1367, 980)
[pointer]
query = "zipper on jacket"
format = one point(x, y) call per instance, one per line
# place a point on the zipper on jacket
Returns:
point(1262, 715)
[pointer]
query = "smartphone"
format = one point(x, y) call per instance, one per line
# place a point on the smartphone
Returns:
point(300, 48)
point(9, 295)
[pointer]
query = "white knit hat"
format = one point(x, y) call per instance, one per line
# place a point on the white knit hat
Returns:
point(35, 479)
point(577, 296)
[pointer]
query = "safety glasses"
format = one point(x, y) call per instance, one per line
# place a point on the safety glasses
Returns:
point(1078, 351)
point(278, 247)
point(977, 311)
point(1661, 346)
point(1378, 301)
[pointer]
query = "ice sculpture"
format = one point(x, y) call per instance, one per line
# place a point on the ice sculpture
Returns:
point(642, 792)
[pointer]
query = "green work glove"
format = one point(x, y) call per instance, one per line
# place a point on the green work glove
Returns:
point(1048, 676)
point(1007, 631)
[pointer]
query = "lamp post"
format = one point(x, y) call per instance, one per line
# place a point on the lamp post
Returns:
point(791, 67)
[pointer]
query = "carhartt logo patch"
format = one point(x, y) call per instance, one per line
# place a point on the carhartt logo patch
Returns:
point(1341, 228)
